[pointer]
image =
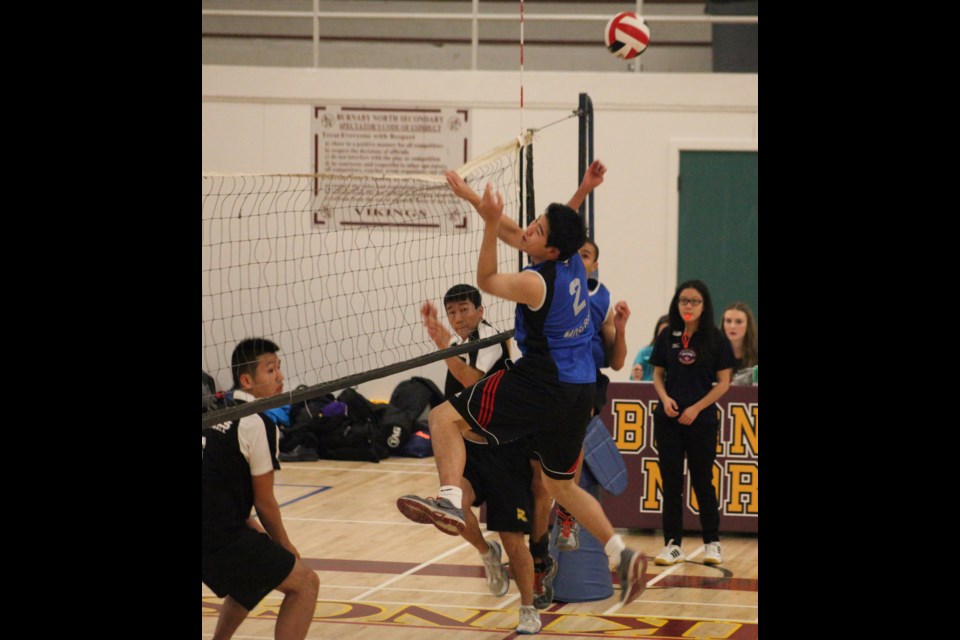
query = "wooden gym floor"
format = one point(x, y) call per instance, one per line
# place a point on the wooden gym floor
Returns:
point(383, 577)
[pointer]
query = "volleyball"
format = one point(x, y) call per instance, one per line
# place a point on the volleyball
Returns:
point(626, 35)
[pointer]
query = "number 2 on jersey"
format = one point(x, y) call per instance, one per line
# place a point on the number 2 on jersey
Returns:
point(575, 292)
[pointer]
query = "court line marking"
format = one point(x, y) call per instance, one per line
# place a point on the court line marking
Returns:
point(338, 521)
point(432, 471)
point(507, 601)
point(304, 496)
point(291, 484)
point(698, 604)
point(327, 585)
point(420, 566)
point(571, 614)
point(660, 576)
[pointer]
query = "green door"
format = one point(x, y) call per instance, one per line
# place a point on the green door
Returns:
point(718, 240)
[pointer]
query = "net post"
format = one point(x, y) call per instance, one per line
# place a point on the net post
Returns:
point(585, 155)
point(528, 209)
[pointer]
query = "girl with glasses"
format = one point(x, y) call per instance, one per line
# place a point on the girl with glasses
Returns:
point(692, 364)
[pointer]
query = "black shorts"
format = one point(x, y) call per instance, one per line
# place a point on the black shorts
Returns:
point(515, 402)
point(247, 569)
point(501, 477)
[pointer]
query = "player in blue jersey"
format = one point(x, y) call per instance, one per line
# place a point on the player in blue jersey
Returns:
point(609, 347)
point(547, 393)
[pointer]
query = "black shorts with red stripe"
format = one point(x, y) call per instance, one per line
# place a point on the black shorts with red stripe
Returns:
point(518, 401)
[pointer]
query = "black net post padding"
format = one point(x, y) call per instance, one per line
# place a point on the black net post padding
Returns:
point(528, 202)
point(585, 155)
point(521, 216)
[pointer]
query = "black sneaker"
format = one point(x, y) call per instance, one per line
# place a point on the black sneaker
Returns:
point(632, 572)
point(544, 571)
point(439, 511)
point(299, 453)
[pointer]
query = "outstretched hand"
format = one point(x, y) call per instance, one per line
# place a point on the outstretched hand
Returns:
point(491, 206)
point(593, 177)
point(435, 329)
point(461, 189)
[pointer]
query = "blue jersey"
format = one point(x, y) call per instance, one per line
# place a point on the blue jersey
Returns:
point(599, 308)
point(556, 336)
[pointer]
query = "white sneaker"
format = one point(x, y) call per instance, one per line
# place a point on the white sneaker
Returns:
point(497, 579)
point(712, 553)
point(671, 554)
point(529, 620)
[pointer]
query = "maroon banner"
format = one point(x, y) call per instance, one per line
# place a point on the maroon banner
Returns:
point(628, 416)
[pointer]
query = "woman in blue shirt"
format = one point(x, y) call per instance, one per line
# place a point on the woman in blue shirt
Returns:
point(642, 369)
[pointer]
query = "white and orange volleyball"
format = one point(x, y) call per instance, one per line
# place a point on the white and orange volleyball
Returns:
point(627, 35)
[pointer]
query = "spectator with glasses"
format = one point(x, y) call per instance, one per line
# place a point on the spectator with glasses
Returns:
point(692, 364)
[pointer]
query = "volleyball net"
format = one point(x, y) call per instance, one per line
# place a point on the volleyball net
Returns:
point(334, 269)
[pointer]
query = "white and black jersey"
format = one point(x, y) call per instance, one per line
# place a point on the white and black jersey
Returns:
point(233, 453)
point(487, 360)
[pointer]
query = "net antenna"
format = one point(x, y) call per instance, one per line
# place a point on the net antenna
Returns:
point(334, 269)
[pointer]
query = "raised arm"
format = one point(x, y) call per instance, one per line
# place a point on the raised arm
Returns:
point(462, 371)
point(509, 231)
point(614, 331)
point(525, 287)
point(592, 179)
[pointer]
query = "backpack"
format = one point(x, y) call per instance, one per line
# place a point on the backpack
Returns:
point(395, 425)
point(212, 399)
point(415, 395)
point(391, 426)
point(419, 444)
point(207, 388)
point(347, 438)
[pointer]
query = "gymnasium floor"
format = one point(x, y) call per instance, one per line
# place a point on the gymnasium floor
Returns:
point(383, 577)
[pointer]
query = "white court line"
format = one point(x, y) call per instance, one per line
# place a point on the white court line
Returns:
point(508, 599)
point(337, 521)
point(660, 576)
point(483, 526)
point(697, 618)
point(410, 571)
point(328, 585)
point(699, 604)
point(433, 471)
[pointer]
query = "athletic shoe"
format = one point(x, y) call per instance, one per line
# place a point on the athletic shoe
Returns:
point(569, 538)
point(671, 554)
point(543, 575)
point(712, 553)
point(299, 453)
point(529, 620)
point(439, 511)
point(497, 579)
point(633, 575)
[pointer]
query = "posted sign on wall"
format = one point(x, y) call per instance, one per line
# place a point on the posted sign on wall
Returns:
point(389, 140)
